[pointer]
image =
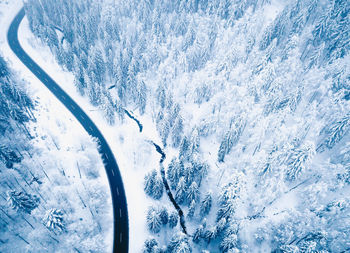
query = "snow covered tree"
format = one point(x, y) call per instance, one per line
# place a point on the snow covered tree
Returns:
point(180, 195)
point(151, 246)
point(3, 68)
point(173, 219)
point(206, 205)
point(108, 107)
point(228, 200)
point(191, 209)
point(198, 234)
point(96, 65)
point(231, 138)
point(221, 225)
point(179, 244)
point(177, 131)
point(229, 242)
point(141, 97)
point(298, 159)
point(335, 132)
point(210, 234)
point(174, 172)
point(199, 171)
point(54, 221)
point(153, 185)
point(184, 146)
point(193, 193)
point(21, 201)
point(289, 249)
point(164, 216)
point(154, 220)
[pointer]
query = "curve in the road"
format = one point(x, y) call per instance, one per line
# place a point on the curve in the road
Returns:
point(121, 227)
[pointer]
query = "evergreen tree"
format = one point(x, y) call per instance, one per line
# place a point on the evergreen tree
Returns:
point(153, 185)
point(228, 243)
point(289, 249)
point(191, 209)
point(154, 220)
point(335, 132)
point(177, 132)
point(151, 246)
point(3, 68)
point(210, 234)
point(21, 201)
point(198, 234)
point(221, 225)
point(297, 160)
point(179, 244)
point(54, 220)
point(174, 172)
point(206, 205)
point(184, 149)
point(173, 219)
point(164, 216)
point(231, 138)
point(200, 171)
point(193, 193)
point(180, 195)
point(228, 200)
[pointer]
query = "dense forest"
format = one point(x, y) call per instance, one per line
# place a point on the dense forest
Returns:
point(50, 190)
point(254, 97)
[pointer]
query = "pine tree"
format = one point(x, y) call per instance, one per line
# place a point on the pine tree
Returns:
point(193, 193)
point(180, 195)
point(206, 205)
point(198, 234)
point(177, 132)
point(297, 160)
point(210, 234)
point(149, 182)
point(221, 225)
point(21, 201)
point(191, 209)
point(200, 171)
point(153, 185)
point(228, 200)
point(229, 242)
point(179, 244)
point(164, 216)
point(108, 107)
point(54, 220)
point(174, 172)
point(3, 68)
point(151, 246)
point(154, 220)
point(184, 149)
point(231, 138)
point(335, 132)
point(142, 97)
point(289, 249)
point(173, 219)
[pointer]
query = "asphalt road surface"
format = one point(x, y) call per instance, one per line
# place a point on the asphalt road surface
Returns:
point(121, 227)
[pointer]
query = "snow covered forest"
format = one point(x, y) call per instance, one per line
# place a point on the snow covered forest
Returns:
point(51, 195)
point(251, 102)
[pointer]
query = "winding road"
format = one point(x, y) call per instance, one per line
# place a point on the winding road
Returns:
point(121, 226)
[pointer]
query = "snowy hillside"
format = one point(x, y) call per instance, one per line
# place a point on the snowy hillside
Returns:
point(250, 100)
